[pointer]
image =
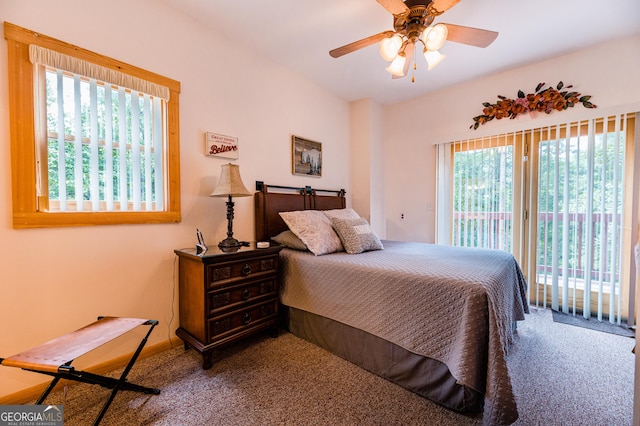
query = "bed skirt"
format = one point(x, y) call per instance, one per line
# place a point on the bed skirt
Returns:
point(425, 376)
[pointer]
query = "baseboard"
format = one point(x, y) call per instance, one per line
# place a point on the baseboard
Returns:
point(32, 393)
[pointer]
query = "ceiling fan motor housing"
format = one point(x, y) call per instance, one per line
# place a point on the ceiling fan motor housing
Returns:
point(411, 25)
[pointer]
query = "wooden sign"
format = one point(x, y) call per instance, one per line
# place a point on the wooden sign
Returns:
point(221, 146)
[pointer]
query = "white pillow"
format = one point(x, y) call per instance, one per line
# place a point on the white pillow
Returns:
point(314, 229)
point(347, 213)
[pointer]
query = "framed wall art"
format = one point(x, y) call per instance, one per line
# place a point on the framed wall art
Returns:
point(306, 157)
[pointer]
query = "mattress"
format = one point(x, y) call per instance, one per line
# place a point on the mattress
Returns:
point(451, 304)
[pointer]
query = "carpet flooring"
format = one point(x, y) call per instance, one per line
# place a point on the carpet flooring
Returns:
point(562, 375)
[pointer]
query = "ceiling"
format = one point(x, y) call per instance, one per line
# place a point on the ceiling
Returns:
point(299, 34)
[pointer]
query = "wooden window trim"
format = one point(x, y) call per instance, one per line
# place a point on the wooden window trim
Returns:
point(22, 125)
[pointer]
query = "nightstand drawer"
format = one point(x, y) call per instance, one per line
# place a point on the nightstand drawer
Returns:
point(233, 296)
point(235, 322)
point(219, 273)
point(225, 296)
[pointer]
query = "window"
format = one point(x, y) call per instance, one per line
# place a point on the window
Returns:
point(93, 140)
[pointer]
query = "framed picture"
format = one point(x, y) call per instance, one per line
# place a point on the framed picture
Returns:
point(306, 157)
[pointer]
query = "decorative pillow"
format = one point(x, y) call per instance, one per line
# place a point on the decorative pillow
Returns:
point(347, 213)
point(290, 240)
point(314, 229)
point(356, 235)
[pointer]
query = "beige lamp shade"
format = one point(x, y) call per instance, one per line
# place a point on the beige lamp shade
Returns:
point(230, 183)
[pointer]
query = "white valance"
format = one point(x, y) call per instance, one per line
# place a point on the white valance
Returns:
point(48, 57)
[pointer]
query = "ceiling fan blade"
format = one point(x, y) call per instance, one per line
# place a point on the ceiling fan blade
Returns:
point(471, 36)
point(408, 51)
point(356, 45)
point(395, 7)
point(443, 5)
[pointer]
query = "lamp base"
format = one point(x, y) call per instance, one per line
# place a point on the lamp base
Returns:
point(231, 244)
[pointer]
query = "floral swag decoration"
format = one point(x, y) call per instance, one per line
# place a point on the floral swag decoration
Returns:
point(543, 100)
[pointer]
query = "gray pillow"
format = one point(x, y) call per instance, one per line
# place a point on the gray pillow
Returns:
point(356, 235)
point(290, 240)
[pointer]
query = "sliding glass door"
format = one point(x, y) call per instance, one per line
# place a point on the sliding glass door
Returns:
point(555, 198)
point(580, 211)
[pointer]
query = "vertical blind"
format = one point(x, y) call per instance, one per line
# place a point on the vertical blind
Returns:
point(479, 176)
point(105, 136)
point(580, 209)
point(105, 149)
point(551, 196)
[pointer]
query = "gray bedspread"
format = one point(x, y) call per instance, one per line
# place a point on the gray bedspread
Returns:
point(452, 304)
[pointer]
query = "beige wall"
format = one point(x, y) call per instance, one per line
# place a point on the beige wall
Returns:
point(367, 178)
point(56, 280)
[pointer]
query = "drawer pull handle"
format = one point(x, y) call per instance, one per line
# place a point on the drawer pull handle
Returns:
point(246, 318)
point(246, 294)
point(246, 269)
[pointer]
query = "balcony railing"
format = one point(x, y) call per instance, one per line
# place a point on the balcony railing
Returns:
point(493, 230)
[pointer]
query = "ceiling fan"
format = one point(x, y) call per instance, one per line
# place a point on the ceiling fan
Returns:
point(413, 25)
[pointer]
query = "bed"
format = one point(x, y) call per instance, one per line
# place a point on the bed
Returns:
point(437, 320)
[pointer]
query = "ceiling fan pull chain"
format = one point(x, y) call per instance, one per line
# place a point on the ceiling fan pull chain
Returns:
point(413, 79)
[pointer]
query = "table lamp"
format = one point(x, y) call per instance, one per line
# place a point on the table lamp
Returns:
point(230, 185)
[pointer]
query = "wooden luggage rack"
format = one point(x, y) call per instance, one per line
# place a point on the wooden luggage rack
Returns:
point(54, 358)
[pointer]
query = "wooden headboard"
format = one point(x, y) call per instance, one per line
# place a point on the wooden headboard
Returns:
point(273, 199)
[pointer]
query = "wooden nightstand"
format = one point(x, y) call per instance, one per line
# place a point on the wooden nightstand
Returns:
point(226, 296)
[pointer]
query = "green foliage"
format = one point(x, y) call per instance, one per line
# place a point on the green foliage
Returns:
point(484, 184)
point(592, 199)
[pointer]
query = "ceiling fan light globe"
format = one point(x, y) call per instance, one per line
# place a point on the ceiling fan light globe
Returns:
point(397, 66)
point(390, 46)
point(435, 36)
point(433, 58)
